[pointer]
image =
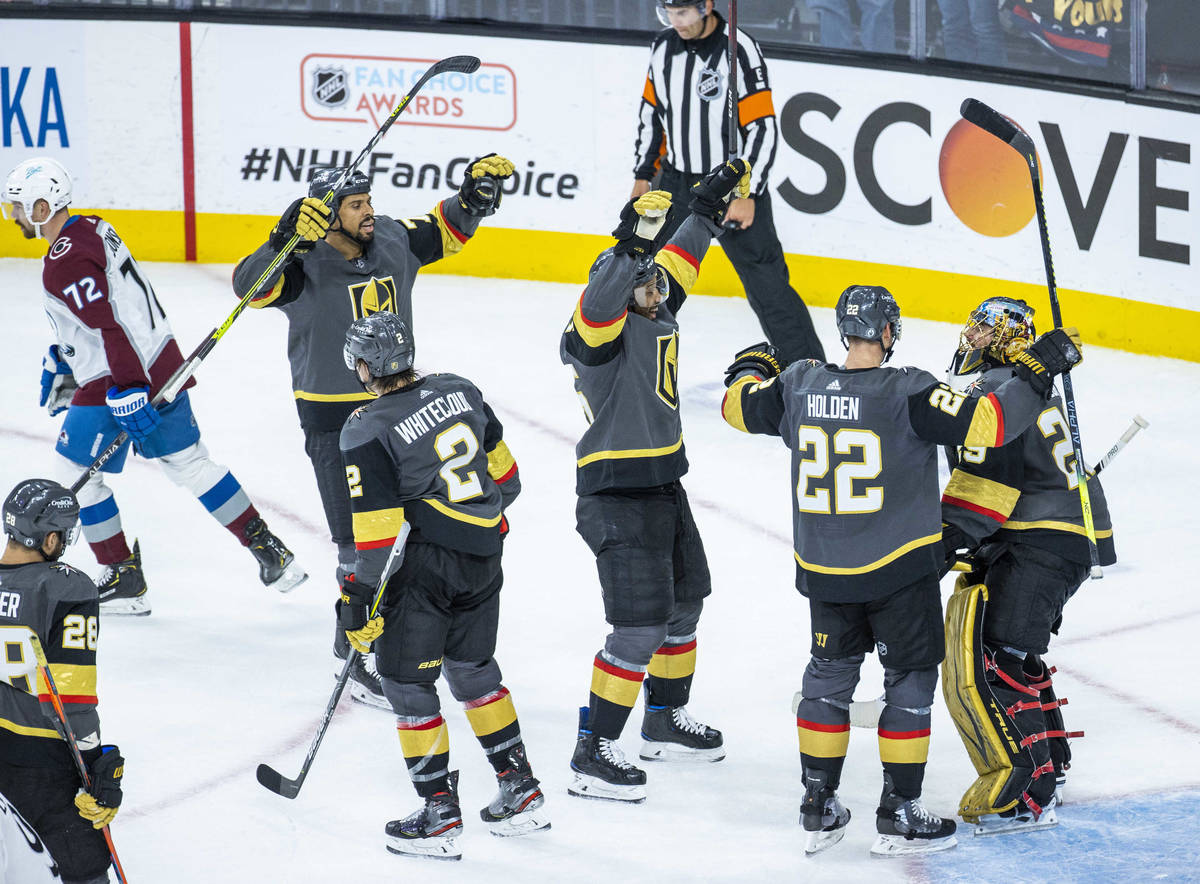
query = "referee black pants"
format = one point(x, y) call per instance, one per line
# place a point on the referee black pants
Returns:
point(757, 256)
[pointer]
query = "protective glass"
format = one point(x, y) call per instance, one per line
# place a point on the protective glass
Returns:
point(71, 535)
point(349, 358)
point(8, 209)
point(641, 294)
point(680, 15)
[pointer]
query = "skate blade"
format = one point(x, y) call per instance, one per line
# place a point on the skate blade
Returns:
point(293, 575)
point(815, 842)
point(597, 790)
point(992, 825)
point(138, 606)
point(362, 694)
point(898, 845)
point(652, 751)
point(525, 823)
point(445, 849)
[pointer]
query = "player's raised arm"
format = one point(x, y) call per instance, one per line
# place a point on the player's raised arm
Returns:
point(753, 402)
point(445, 230)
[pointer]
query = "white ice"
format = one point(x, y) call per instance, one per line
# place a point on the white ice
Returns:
point(225, 674)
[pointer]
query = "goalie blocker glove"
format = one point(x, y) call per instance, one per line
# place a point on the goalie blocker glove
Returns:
point(641, 223)
point(308, 218)
point(480, 193)
point(712, 193)
point(762, 359)
point(1050, 355)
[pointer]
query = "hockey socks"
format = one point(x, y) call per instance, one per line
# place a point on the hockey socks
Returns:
point(824, 733)
point(426, 746)
point(227, 502)
point(904, 747)
point(102, 529)
point(493, 718)
point(615, 686)
point(669, 675)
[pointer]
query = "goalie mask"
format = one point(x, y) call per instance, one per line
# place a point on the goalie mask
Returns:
point(996, 332)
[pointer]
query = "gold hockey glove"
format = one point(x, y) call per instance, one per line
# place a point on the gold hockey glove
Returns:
point(642, 221)
point(307, 217)
point(361, 638)
point(100, 802)
point(762, 359)
point(480, 192)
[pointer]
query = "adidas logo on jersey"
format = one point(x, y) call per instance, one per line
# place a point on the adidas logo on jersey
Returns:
point(834, 385)
point(425, 393)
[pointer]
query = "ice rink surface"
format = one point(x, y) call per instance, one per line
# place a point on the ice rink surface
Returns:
point(225, 674)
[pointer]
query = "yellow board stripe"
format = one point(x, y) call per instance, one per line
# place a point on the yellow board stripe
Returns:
point(1054, 526)
point(26, 731)
point(424, 742)
point(494, 716)
point(673, 665)
point(629, 453)
point(984, 423)
point(905, 750)
point(878, 563)
point(481, 521)
point(823, 741)
point(333, 397)
point(994, 496)
point(500, 461)
point(377, 524)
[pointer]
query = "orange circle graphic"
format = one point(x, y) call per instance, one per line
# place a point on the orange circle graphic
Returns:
point(986, 182)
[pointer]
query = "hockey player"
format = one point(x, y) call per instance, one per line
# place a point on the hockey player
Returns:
point(351, 263)
point(427, 459)
point(114, 351)
point(52, 603)
point(1016, 511)
point(867, 537)
point(622, 343)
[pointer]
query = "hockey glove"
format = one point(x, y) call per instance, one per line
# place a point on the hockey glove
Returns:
point(1050, 355)
point(713, 192)
point(99, 803)
point(58, 384)
point(307, 217)
point(953, 540)
point(353, 611)
point(132, 410)
point(480, 192)
point(642, 221)
point(762, 359)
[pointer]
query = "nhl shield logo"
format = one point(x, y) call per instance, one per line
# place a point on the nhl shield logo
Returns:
point(710, 85)
point(330, 87)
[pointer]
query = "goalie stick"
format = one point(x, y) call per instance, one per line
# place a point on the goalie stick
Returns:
point(1139, 423)
point(992, 122)
point(64, 728)
point(465, 64)
point(290, 788)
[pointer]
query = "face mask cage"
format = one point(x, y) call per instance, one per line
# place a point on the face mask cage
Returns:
point(995, 331)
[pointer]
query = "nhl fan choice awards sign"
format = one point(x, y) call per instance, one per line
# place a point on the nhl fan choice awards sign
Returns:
point(876, 177)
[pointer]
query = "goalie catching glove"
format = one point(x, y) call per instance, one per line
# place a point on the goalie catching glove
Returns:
point(480, 192)
point(353, 609)
point(642, 221)
point(762, 359)
point(307, 218)
point(98, 804)
point(1050, 355)
point(712, 193)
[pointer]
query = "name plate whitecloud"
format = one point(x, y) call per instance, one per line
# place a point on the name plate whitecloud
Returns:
point(366, 88)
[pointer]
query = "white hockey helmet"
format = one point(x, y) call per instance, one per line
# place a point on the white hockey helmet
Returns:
point(40, 178)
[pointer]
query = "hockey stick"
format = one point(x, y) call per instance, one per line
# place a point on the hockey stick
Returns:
point(1006, 130)
point(1139, 423)
point(731, 101)
point(69, 735)
point(273, 779)
point(465, 64)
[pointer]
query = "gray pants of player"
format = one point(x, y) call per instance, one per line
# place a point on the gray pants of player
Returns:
point(323, 450)
point(757, 256)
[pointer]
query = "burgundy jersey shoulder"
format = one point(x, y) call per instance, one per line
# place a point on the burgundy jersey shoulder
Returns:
point(77, 253)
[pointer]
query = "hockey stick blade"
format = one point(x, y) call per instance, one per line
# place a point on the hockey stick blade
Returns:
point(995, 123)
point(459, 64)
point(277, 782)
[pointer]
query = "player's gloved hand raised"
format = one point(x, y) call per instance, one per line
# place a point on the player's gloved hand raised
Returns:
point(307, 217)
point(1056, 351)
point(480, 192)
point(58, 384)
point(762, 359)
point(642, 221)
point(353, 610)
point(98, 805)
point(710, 194)
point(131, 409)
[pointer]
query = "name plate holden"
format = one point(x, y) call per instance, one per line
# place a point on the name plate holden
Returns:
point(366, 88)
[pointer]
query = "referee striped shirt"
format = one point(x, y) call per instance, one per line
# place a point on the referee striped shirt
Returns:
point(683, 118)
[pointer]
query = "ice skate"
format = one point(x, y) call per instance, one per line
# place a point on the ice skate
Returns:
point(122, 587)
point(601, 771)
point(905, 827)
point(365, 685)
point(516, 809)
point(670, 734)
point(1019, 819)
point(276, 564)
point(822, 815)
point(433, 830)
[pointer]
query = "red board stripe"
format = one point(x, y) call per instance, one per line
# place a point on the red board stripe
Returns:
point(189, 157)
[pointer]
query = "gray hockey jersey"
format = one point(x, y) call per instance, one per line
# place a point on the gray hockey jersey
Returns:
point(431, 454)
point(866, 508)
point(322, 293)
point(626, 369)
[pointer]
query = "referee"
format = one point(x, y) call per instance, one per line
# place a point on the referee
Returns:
point(682, 133)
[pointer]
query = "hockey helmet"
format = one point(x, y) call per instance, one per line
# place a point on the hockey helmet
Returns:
point(646, 270)
point(37, 507)
point(325, 179)
point(995, 333)
point(382, 341)
point(662, 7)
point(864, 311)
point(40, 178)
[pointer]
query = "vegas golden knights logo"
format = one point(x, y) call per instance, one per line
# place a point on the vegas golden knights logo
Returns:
point(668, 370)
point(373, 296)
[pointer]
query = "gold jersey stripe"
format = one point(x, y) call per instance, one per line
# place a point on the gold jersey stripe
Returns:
point(78, 681)
point(984, 425)
point(481, 521)
point(994, 496)
point(500, 461)
point(1052, 525)
point(452, 239)
point(333, 397)
point(731, 405)
point(492, 717)
point(266, 299)
point(27, 731)
point(878, 563)
point(377, 524)
point(675, 262)
point(596, 334)
point(629, 453)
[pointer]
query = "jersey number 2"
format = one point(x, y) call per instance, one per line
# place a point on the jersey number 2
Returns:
point(458, 487)
point(814, 450)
